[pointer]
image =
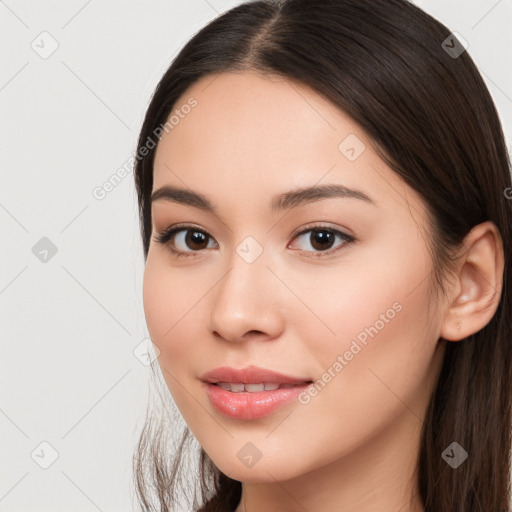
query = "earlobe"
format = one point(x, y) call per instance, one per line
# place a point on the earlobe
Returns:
point(478, 284)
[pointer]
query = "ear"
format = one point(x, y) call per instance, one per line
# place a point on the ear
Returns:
point(476, 291)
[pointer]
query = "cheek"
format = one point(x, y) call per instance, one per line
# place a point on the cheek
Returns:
point(165, 316)
point(388, 342)
point(374, 296)
point(356, 302)
point(167, 303)
point(173, 302)
point(156, 305)
point(372, 331)
point(368, 375)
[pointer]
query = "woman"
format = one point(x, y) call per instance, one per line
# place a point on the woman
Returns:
point(323, 201)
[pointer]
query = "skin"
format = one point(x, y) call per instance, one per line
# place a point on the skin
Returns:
point(353, 446)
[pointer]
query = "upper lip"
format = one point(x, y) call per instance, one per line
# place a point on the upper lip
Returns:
point(249, 375)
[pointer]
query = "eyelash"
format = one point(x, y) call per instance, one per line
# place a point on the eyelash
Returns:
point(166, 236)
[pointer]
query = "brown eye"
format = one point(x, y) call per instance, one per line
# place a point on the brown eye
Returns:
point(195, 239)
point(184, 240)
point(319, 240)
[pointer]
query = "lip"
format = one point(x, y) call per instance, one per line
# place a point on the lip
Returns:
point(249, 375)
point(251, 405)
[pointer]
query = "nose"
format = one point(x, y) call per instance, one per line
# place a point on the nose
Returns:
point(246, 302)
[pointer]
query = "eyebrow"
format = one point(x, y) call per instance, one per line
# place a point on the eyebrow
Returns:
point(283, 201)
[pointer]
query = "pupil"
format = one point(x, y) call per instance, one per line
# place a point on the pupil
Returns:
point(324, 238)
point(196, 237)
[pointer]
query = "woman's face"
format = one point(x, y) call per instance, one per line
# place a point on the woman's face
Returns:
point(329, 289)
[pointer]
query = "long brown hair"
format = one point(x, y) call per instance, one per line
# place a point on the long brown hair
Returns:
point(410, 85)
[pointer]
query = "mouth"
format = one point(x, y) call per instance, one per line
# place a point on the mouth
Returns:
point(249, 375)
point(252, 392)
point(239, 387)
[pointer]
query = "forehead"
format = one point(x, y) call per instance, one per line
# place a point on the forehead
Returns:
point(259, 135)
point(245, 110)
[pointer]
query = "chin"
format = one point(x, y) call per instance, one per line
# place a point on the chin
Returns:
point(263, 471)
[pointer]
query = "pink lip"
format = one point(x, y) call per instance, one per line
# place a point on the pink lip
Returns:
point(249, 375)
point(251, 405)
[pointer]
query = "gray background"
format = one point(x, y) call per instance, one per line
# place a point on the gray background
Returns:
point(72, 320)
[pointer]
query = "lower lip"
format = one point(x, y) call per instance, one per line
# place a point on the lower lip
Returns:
point(247, 405)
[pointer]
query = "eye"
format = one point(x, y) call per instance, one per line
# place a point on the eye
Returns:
point(183, 236)
point(321, 239)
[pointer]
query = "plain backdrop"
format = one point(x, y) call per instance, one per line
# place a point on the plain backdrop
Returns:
point(75, 80)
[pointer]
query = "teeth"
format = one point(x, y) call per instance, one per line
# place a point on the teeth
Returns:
point(252, 388)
